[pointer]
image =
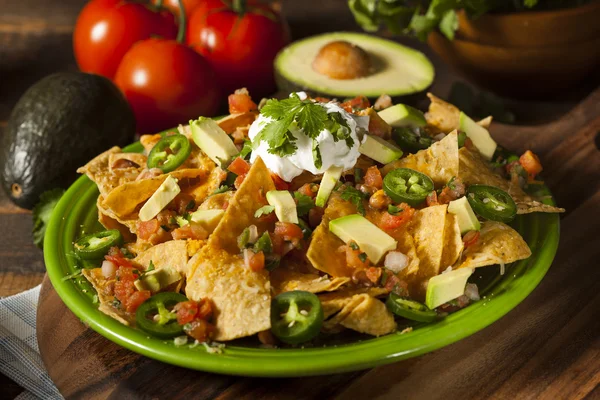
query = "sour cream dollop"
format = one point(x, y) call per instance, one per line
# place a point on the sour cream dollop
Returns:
point(332, 153)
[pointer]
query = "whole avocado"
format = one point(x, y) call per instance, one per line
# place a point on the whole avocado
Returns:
point(58, 125)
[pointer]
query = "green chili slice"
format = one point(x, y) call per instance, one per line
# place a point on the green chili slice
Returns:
point(491, 203)
point(169, 153)
point(410, 309)
point(410, 141)
point(154, 316)
point(95, 246)
point(405, 185)
point(296, 316)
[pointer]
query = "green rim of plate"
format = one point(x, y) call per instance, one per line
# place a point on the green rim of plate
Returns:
point(76, 213)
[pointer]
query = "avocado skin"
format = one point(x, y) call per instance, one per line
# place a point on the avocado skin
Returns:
point(58, 125)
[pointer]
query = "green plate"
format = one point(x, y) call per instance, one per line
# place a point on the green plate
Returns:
point(76, 213)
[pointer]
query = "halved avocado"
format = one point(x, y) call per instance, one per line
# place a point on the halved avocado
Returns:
point(393, 69)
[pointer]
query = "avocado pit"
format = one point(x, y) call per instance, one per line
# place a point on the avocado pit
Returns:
point(16, 190)
point(340, 59)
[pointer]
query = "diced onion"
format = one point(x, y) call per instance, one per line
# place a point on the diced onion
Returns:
point(180, 340)
point(472, 292)
point(395, 261)
point(246, 254)
point(439, 136)
point(108, 269)
point(253, 234)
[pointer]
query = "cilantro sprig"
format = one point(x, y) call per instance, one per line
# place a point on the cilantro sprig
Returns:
point(308, 116)
point(354, 196)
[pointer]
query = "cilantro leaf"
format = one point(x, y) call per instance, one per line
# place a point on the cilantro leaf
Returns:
point(263, 211)
point(311, 119)
point(338, 126)
point(222, 189)
point(303, 203)
point(354, 196)
point(317, 155)
point(150, 266)
point(278, 136)
point(42, 212)
point(246, 149)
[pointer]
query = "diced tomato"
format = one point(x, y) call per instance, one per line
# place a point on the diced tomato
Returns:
point(373, 177)
point(145, 229)
point(267, 337)
point(531, 163)
point(182, 203)
point(186, 311)
point(373, 274)
point(471, 238)
point(255, 261)
point(309, 189)
point(239, 166)
point(469, 144)
point(200, 330)
point(390, 222)
point(190, 231)
point(357, 103)
point(377, 126)
point(280, 184)
point(288, 231)
point(116, 257)
point(396, 285)
point(432, 199)
point(315, 216)
point(225, 205)
point(239, 180)
point(136, 299)
point(205, 309)
point(278, 242)
point(241, 102)
point(357, 260)
point(322, 99)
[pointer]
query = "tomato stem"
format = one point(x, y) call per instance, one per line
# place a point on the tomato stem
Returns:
point(182, 22)
point(239, 6)
point(158, 4)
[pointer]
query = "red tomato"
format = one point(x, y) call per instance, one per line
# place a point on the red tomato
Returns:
point(280, 184)
point(186, 311)
point(136, 299)
point(166, 83)
point(241, 46)
point(357, 103)
point(356, 259)
point(471, 238)
point(241, 102)
point(373, 177)
point(239, 180)
point(256, 261)
point(239, 166)
point(531, 163)
point(106, 29)
point(288, 230)
point(145, 229)
point(309, 189)
point(200, 330)
point(173, 6)
point(389, 221)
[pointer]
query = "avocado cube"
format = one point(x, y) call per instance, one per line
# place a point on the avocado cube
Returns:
point(285, 206)
point(159, 199)
point(371, 240)
point(447, 286)
point(379, 150)
point(479, 135)
point(209, 219)
point(328, 182)
point(213, 140)
point(401, 115)
point(158, 279)
point(467, 220)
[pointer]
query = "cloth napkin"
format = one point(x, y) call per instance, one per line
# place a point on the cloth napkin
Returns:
point(20, 358)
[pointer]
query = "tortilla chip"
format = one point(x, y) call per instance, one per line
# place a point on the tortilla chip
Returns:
point(323, 249)
point(241, 296)
point(474, 169)
point(99, 172)
point(103, 288)
point(441, 115)
point(233, 121)
point(217, 201)
point(334, 301)
point(148, 141)
point(193, 247)
point(130, 224)
point(140, 161)
point(406, 245)
point(285, 280)
point(110, 223)
point(498, 243)
point(347, 305)
point(454, 245)
point(439, 161)
point(240, 213)
point(171, 254)
point(208, 186)
point(370, 316)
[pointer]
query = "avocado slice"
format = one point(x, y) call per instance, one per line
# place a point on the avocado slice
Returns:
point(209, 219)
point(379, 150)
point(400, 115)
point(213, 140)
point(158, 279)
point(395, 69)
point(467, 220)
point(58, 125)
point(159, 199)
point(369, 238)
point(447, 286)
point(328, 182)
point(479, 135)
point(285, 206)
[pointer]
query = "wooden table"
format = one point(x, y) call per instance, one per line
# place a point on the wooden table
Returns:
point(548, 347)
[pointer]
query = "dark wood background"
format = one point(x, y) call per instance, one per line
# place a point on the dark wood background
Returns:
point(548, 347)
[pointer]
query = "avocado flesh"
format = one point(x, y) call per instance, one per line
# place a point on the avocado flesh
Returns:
point(399, 70)
point(479, 135)
point(369, 238)
point(159, 199)
point(209, 219)
point(445, 287)
point(285, 206)
point(213, 140)
point(379, 150)
point(328, 182)
point(401, 115)
point(58, 125)
point(467, 220)
point(158, 279)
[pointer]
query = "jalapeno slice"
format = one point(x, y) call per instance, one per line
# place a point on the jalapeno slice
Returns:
point(410, 309)
point(154, 316)
point(95, 245)
point(405, 185)
point(491, 203)
point(296, 316)
point(410, 141)
point(169, 153)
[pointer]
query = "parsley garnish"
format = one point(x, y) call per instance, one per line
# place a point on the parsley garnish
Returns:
point(353, 245)
point(246, 150)
point(263, 211)
point(309, 116)
point(393, 210)
point(355, 196)
point(150, 267)
point(362, 257)
point(304, 203)
point(222, 189)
